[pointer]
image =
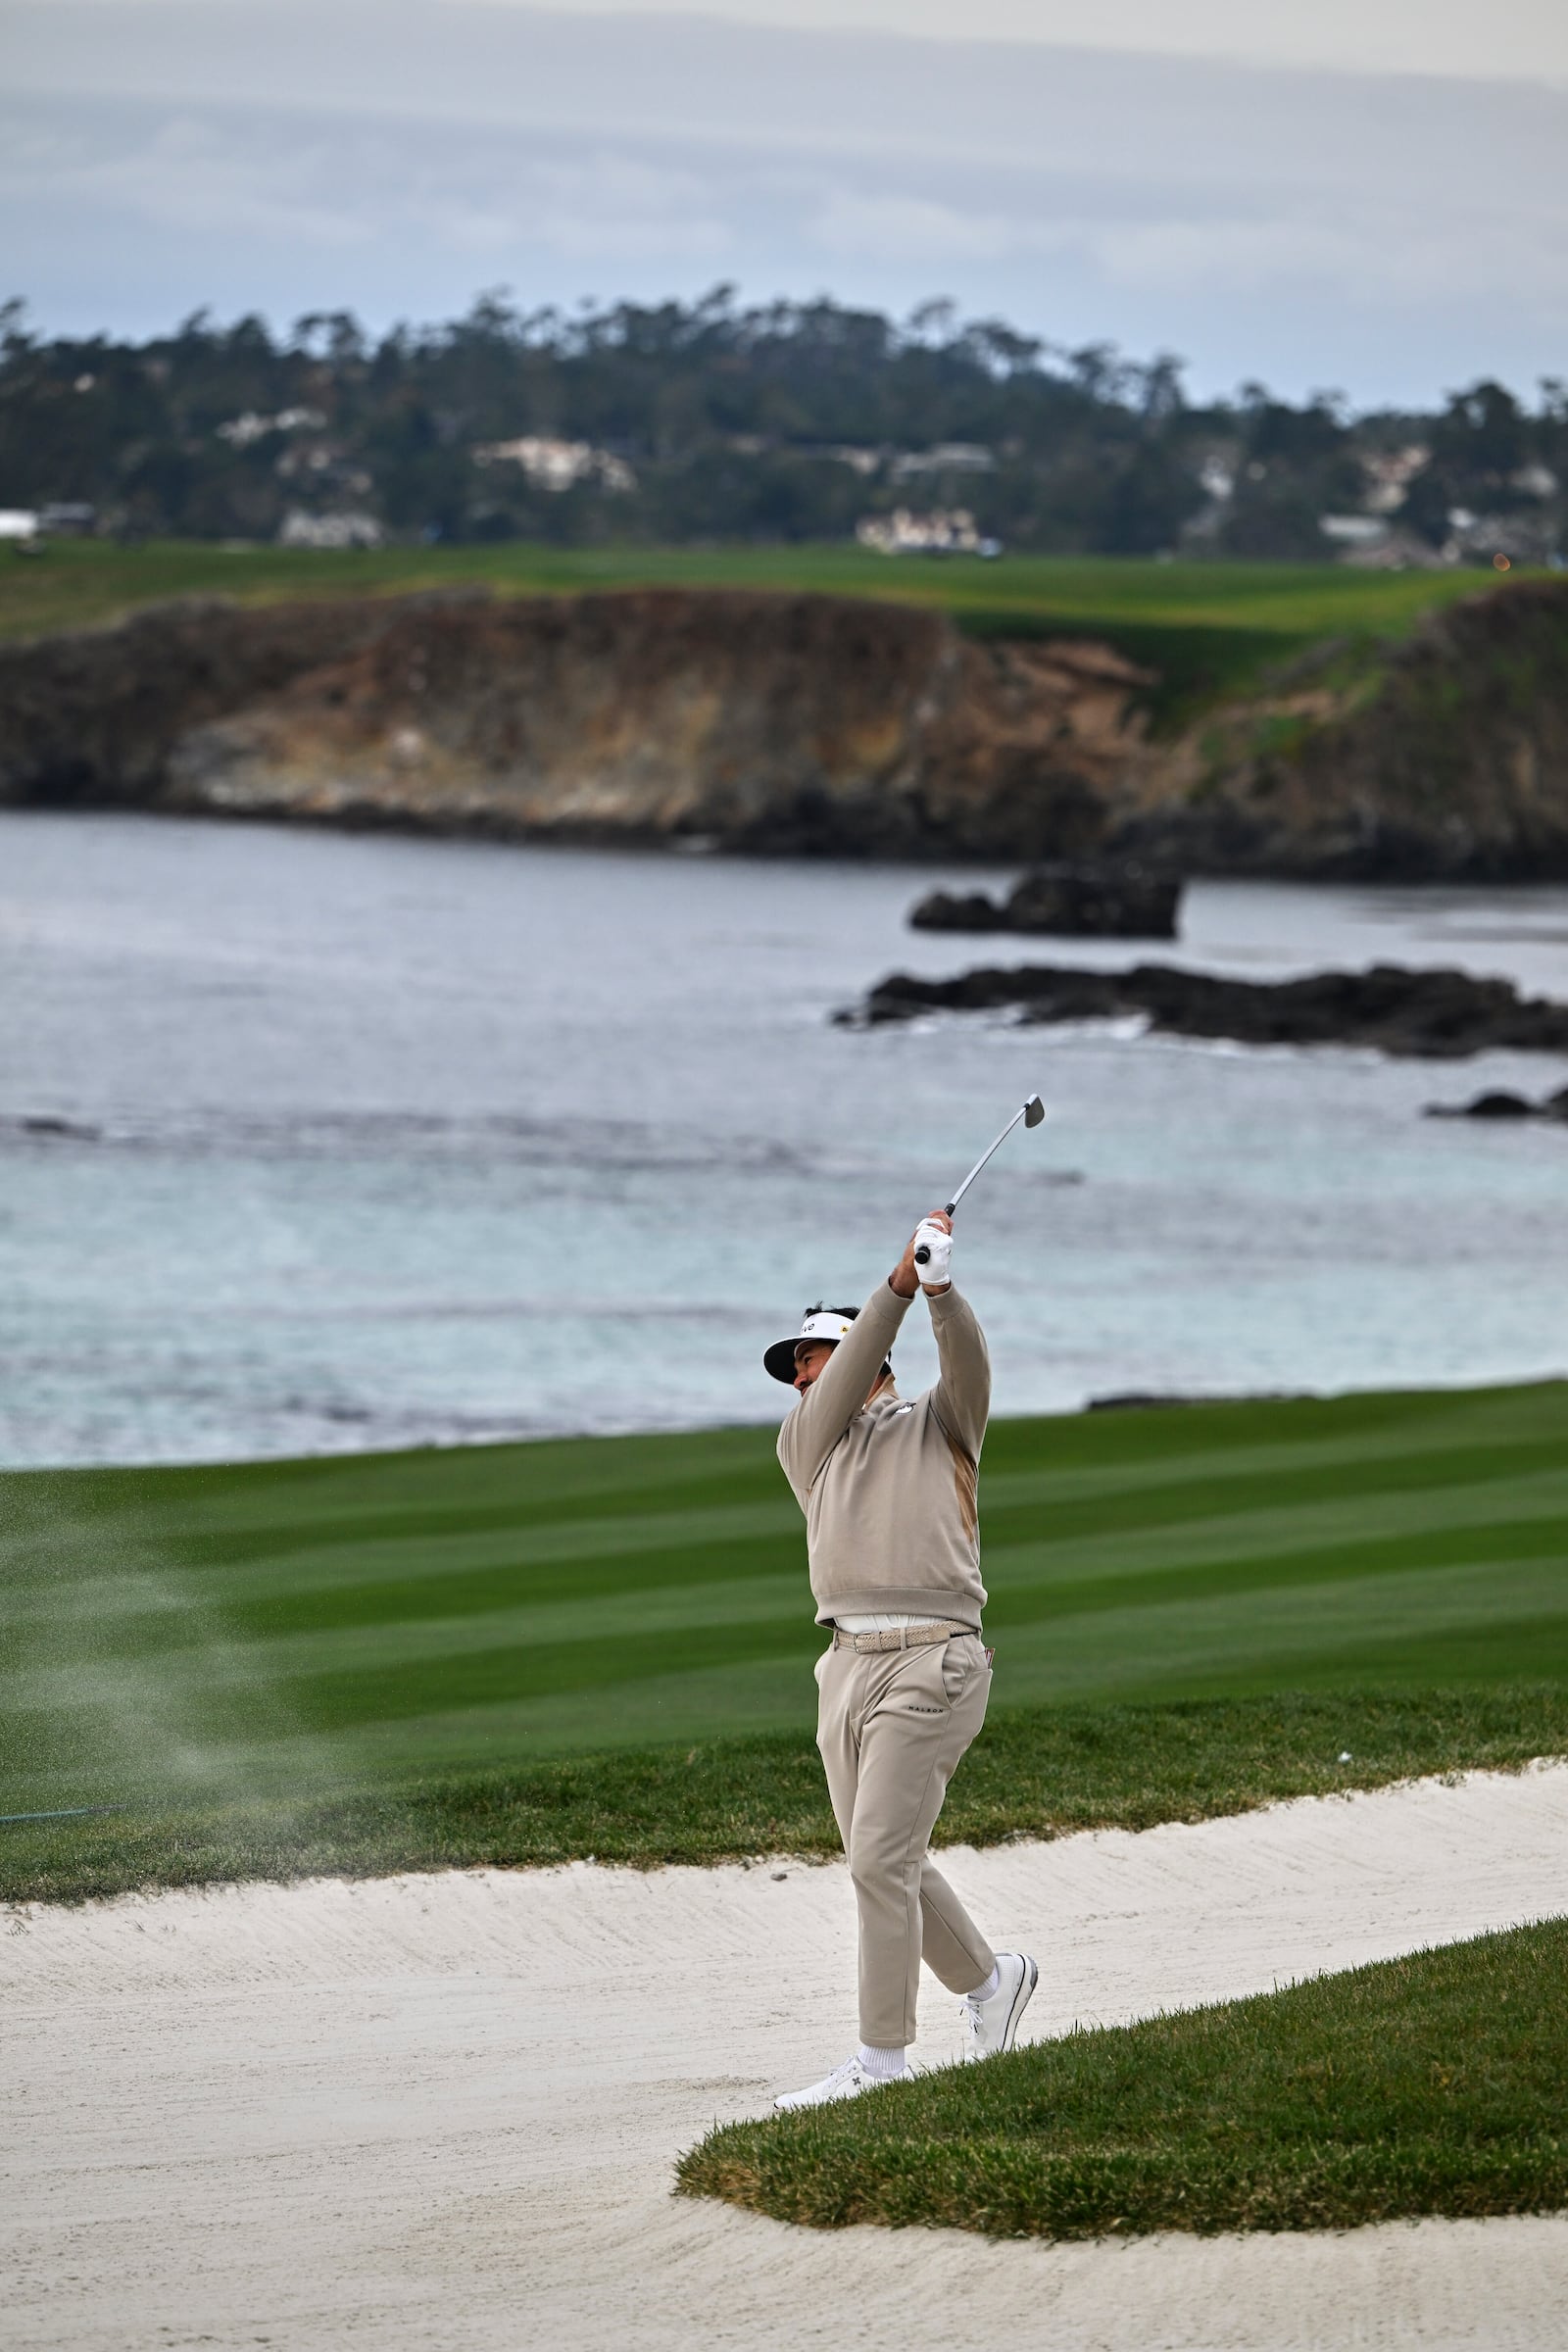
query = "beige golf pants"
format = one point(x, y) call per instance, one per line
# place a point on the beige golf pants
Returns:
point(892, 1727)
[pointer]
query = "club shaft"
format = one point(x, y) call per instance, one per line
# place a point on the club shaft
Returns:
point(984, 1156)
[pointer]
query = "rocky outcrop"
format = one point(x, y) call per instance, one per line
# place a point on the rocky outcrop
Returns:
point(810, 724)
point(1064, 901)
point(1445, 759)
point(1498, 1104)
point(796, 723)
point(1434, 1014)
point(95, 716)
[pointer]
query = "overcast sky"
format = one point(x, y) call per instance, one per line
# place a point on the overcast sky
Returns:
point(1371, 197)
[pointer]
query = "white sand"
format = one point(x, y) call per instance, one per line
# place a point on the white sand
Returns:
point(441, 2111)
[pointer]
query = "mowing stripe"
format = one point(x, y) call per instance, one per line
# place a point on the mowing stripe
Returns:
point(471, 1605)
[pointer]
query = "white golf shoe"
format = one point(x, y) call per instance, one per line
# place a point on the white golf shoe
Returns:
point(846, 2082)
point(993, 2026)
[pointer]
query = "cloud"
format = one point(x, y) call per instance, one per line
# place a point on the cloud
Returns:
point(348, 185)
point(184, 173)
point(1209, 242)
point(1281, 254)
point(189, 171)
point(1392, 234)
point(1509, 39)
point(605, 205)
point(911, 228)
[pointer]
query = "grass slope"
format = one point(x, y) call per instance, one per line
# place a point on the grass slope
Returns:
point(1434, 2085)
point(1038, 1772)
point(1207, 628)
point(400, 1639)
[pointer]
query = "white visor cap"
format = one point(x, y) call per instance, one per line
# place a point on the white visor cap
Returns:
point(779, 1359)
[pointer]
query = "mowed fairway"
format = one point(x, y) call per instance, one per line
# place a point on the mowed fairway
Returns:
point(352, 1621)
point(80, 582)
point(1203, 627)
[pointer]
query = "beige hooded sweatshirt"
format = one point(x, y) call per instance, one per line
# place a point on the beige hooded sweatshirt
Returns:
point(889, 1487)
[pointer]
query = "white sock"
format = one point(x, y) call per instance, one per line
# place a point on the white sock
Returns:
point(983, 1992)
point(885, 2064)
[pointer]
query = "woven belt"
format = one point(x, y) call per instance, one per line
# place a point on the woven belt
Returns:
point(897, 1637)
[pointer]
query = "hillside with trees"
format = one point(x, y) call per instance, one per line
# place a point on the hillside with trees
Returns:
point(712, 423)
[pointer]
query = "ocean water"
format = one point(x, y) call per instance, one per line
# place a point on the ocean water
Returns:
point(368, 1142)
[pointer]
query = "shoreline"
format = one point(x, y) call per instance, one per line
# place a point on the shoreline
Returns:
point(509, 1439)
point(785, 719)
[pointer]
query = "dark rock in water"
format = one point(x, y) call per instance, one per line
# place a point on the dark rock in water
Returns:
point(66, 1130)
point(958, 911)
point(1499, 1105)
point(1071, 902)
point(1434, 1014)
point(1096, 904)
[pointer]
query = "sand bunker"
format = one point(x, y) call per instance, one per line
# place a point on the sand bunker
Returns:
point(440, 2112)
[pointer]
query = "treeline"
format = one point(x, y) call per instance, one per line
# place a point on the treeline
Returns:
point(713, 421)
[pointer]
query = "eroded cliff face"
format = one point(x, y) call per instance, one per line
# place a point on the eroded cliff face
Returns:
point(763, 722)
point(1443, 758)
point(94, 714)
point(808, 724)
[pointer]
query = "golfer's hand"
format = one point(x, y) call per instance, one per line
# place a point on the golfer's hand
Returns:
point(933, 1242)
point(905, 1275)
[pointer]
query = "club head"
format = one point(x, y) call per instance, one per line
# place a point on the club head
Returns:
point(1033, 1110)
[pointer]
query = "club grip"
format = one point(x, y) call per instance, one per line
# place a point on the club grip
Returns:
point(922, 1256)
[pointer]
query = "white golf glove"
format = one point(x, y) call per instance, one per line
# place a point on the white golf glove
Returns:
point(933, 1271)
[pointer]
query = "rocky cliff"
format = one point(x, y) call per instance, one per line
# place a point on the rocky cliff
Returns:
point(804, 724)
point(761, 723)
point(1446, 757)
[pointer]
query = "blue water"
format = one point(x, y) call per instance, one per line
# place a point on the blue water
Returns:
point(389, 1141)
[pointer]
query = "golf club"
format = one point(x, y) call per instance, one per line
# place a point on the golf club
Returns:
point(1031, 1112)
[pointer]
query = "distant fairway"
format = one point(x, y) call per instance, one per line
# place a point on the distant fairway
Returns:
point(355, 1621)
point(1205, 627)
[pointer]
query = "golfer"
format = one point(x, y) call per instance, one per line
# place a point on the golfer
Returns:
point(888, 1485)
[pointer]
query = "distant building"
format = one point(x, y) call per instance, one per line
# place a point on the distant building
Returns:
point(1354, 530)
point(1373, 543)
point(947, 457)
point(18, 522)
point(67, 518)
point(552, 465)
point(944, 531)
point(1389, 475)
point(1524, 536)
point(343, 527)
point(869, 458)
point(851, 454)
point(241, 432)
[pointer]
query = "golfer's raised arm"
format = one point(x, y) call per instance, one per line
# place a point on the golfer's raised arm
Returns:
point(962, 1397)
point(825, 1410)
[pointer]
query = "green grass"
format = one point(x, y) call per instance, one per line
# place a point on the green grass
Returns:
point(1207, 628)
point(361, 1656)
point(1038, 1772)
point(1434, 2085)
